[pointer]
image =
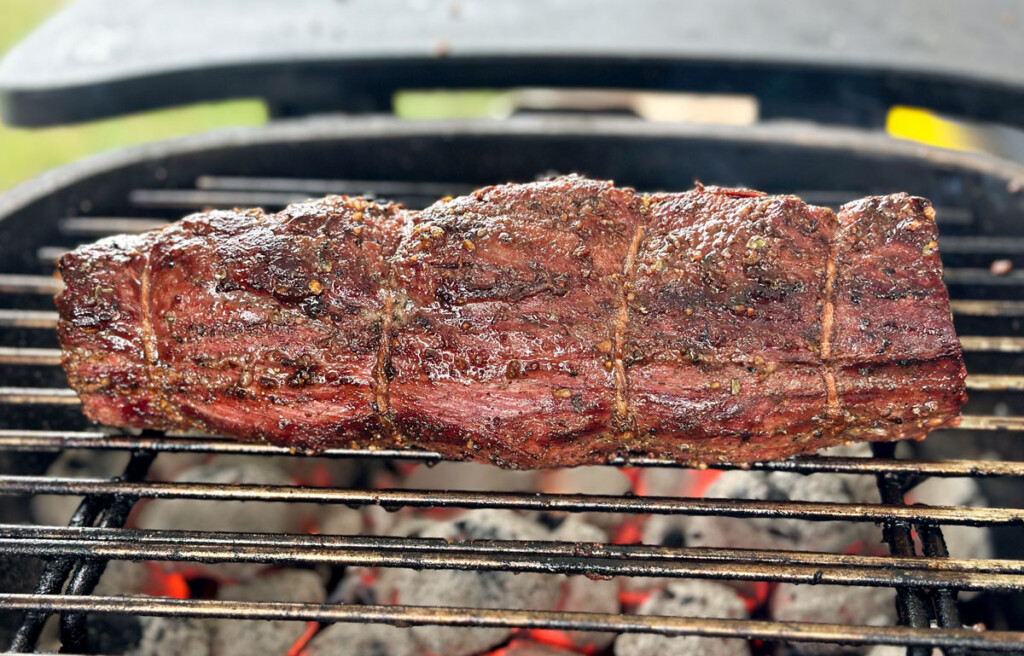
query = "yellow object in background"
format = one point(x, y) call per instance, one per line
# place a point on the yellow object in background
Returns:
point(925, 127)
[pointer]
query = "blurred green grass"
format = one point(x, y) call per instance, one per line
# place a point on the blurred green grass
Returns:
point(27, 153)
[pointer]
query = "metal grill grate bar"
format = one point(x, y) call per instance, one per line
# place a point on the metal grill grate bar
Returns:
point(540, 557)
point(13, 283)
point(39, 357)
point(28, 319)
point(38, 396)
point(520, 547)
point(991, 423)
point(97, 226)
point(27, 440)
point(527, 619)
point(350, 187)
point(992, 344)
point(815, 511)
point(982, 244)
point(505, 562)
point(981, 277)
point(200, 199)
point(973, 308)
point(994, 383)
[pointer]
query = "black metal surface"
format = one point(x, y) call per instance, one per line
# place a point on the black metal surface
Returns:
point(87, 573)
point(944, 601)
point(911, 603)
point(833, 61)
point(51, 581)
point(111, 510)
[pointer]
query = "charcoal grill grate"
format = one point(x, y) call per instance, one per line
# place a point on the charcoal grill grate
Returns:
point(926, 583)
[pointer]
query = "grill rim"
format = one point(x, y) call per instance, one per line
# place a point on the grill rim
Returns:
point(378, 127)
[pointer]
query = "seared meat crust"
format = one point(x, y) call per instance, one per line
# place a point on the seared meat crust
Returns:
point(549, 324)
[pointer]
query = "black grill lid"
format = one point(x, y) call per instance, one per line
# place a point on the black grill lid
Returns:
point(831, 60)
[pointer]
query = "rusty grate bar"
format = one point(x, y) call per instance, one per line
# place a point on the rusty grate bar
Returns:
point(528, 619)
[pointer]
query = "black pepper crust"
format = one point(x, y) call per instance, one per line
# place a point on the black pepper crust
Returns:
point(555, 323)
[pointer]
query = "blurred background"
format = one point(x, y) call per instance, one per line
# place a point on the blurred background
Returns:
point(25, 153)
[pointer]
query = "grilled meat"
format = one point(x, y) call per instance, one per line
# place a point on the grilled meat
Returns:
point(537, 325)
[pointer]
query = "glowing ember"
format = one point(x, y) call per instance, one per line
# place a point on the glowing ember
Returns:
point(556, 638)
point(165, 584)
point(633, 597)
point(701, 480)
point(530, 646)
point(188, 583)
point(320, 476)
point(636, 479)
point(755, 594)
point(406, 468)
point(629, 532)
point(299, 645)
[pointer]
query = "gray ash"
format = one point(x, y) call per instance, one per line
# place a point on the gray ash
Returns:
point(485, 589)
point(837, 604)
point(688, 599)
point(363, 639)
point(791, 534)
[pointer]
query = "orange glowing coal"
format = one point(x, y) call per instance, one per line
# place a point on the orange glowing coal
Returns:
point(165, 584)
point(298, 647)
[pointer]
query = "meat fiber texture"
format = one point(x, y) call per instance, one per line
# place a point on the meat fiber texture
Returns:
point(563, 322)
